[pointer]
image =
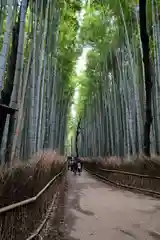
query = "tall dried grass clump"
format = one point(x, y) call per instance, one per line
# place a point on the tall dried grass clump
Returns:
point(22, 181)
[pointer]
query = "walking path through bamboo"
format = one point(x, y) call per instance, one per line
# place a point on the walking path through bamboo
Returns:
point(95, 210)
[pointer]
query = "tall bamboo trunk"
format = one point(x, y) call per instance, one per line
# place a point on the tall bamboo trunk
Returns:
point(7, 90)
point(147, 71)
point(77, 134)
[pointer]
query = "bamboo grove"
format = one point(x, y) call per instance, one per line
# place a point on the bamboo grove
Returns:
point(38, 50)
point(40, 42)
point(118, 114)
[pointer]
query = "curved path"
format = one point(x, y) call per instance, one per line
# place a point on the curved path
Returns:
point(95, 210)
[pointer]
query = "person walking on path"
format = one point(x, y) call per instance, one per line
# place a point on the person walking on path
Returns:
point(79, 166)
point(75, 166)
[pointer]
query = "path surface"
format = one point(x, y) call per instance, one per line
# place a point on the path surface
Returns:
point(98, 211)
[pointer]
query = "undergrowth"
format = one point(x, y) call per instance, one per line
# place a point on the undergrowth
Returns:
point(138, 164)
point(22, 181)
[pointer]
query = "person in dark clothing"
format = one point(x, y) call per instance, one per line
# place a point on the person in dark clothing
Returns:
point(72, 164)
point(75, 167)
point(79, 167)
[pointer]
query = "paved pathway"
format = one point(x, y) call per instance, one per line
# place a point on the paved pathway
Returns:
point(98, 211)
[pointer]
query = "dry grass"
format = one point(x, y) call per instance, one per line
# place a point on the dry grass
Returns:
point(22, 181)
point(137, 164)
